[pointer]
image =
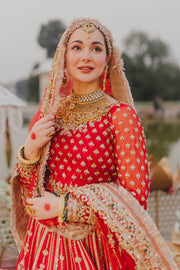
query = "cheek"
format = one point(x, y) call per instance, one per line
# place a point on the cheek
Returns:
point(101, 60)
point(71, 58)
point(101, 63)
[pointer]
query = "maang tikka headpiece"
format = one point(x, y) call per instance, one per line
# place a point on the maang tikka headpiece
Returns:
point(89, 27)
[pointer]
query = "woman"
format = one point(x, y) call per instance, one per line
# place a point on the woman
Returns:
point(81, 182)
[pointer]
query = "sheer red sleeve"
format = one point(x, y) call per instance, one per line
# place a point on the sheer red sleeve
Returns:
point(130, 152)
point(27, 178)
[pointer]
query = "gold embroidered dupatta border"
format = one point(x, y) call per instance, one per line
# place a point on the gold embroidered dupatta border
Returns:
point(121, 213)
point(133, 227)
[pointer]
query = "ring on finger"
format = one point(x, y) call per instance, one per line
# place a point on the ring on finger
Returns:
point(50, 133)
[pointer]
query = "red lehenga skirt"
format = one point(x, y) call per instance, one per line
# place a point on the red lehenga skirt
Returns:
point(46, 249)
point(124, 237)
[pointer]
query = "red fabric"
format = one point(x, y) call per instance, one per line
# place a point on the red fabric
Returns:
point(111, 150)
point(107, 85)
point(130, 149)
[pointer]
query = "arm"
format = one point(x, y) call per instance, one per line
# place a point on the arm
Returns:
point(130, 151)
point(28, 155)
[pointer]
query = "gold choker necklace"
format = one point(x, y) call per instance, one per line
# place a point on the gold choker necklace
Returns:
point(77, 112)
point(86, 98)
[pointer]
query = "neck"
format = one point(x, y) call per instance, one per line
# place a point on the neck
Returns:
point(85, 88)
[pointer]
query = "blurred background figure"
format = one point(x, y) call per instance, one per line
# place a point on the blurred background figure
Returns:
point(158, 107)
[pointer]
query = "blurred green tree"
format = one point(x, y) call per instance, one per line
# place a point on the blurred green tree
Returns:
point(22, 89)
point(50, 35)
point(150, 69)
point(33, 88)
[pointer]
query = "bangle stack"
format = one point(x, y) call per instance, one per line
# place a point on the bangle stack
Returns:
point(20, 157)
point(65, 216)
point(63, 208)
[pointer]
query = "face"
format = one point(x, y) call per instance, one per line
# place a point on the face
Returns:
point(86, 58)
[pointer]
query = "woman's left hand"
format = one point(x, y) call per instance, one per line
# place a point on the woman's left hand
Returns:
point(45, 207)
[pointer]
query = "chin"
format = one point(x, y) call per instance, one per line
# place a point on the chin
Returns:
point(86, 79)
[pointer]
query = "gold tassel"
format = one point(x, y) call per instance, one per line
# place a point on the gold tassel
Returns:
point(105, 77)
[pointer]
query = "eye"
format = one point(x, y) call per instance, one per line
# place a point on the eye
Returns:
point(76, 48)
point(97, 49)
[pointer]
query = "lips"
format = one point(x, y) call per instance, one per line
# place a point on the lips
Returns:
point(85, 68)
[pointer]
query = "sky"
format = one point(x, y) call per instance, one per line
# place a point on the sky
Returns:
point(21, 20)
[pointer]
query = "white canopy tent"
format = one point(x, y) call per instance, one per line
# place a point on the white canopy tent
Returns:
point(11, 120)
point(10, 110)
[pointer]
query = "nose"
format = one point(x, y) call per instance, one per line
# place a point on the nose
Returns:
point(86, 56)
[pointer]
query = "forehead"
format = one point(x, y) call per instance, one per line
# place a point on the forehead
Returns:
point(80, 34)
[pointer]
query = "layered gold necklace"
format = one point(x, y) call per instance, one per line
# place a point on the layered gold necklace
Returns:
point(86, 98)
point(81, 109)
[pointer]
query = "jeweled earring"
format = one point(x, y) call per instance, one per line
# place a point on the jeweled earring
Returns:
point(105, 78)
point(65, 80)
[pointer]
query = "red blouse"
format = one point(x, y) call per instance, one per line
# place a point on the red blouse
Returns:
point(110, 150)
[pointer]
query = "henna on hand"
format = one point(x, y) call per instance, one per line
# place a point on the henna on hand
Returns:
point(33, 136)
point(47, 207)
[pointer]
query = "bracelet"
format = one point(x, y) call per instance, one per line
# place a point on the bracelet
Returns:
point(65, 216)
point(61, 209)
point(56, 194)
point(20, 157)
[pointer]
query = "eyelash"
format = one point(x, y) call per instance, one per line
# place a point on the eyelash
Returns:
point(76, 48)
point(96, 49)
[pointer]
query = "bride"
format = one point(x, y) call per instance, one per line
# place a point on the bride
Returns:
point(81, 183)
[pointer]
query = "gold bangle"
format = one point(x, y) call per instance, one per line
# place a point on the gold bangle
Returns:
point(20, 157)
point(61, 209)
point(29, 210)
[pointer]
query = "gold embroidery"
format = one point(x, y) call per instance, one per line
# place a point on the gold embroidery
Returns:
point(126, 223)
point(78, 115)
point(26, 170)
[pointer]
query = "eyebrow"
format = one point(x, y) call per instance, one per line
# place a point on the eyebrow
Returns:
point(93, 43)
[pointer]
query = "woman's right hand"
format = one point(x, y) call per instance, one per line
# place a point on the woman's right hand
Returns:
point(41, 133)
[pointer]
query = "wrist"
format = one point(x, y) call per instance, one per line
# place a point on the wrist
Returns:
point(30, 153)
point(23, 160)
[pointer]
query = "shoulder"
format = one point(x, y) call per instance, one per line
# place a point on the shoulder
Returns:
point(121, 109)
point(123, 116)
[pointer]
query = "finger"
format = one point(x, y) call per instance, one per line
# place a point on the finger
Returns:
point(31, 200)
point(43, 120)
point(49, 194)
point(50, 131)
point(48, 124)
point(36, 216)
point(47, 118)
point(41, 126)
